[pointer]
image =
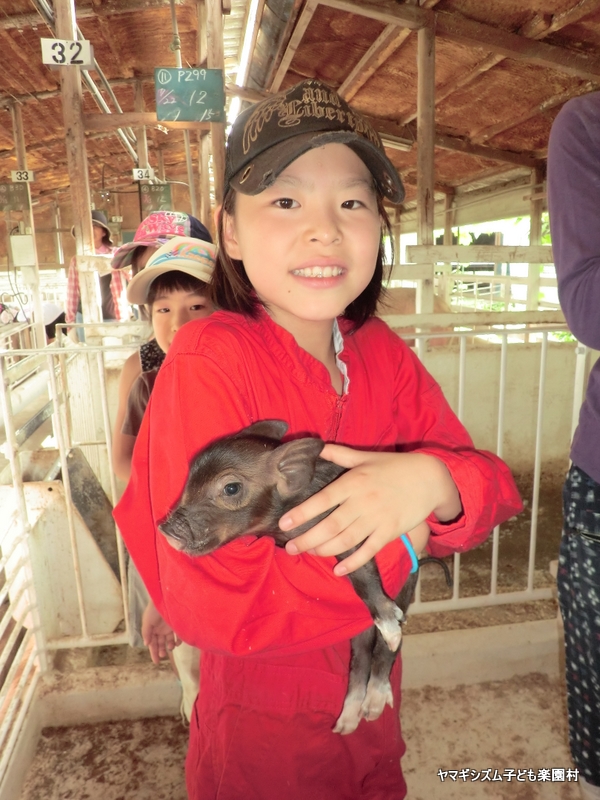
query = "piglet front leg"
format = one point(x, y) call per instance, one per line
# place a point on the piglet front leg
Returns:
point(387, 616)
point(360, 669)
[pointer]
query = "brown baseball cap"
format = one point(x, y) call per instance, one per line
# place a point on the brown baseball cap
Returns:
point(269, 135)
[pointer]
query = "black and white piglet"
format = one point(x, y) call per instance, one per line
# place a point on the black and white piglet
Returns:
point(243, 484)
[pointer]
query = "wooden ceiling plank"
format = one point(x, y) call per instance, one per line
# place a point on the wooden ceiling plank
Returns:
point(22, 21)
point(460, 81)
point(299, 30)
point(36, 76)
point(122, 68)
point(382, 48)
point(484, 134)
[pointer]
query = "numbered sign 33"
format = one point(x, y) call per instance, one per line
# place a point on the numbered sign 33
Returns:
point(143, 173)
point(67, 53)
point(21, 176)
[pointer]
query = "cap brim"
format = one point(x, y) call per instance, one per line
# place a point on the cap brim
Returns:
point(139, 286)
point(263, 170)
point(124, 255)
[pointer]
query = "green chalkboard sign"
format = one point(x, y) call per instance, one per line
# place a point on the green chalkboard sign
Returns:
point(14, 197)
point(189, 95)
point(155, 197)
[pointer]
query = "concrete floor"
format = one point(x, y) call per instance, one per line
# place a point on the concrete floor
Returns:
point(518, 724)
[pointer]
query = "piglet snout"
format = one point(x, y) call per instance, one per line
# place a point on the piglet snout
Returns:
point(177, 530)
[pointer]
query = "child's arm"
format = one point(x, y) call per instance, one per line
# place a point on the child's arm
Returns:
point(122, 443)
point(462, 493)
point(382, 496)
point(158, 637)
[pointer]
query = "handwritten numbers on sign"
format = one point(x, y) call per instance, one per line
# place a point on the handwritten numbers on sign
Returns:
point(21, 176)
point(67, 53)
point(143, 173)
point(189, 95)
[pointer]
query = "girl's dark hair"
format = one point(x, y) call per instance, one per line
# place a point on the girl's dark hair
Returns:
point(230, 288)
point(174, 281)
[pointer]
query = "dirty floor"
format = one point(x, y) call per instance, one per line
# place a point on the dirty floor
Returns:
point(515, 724)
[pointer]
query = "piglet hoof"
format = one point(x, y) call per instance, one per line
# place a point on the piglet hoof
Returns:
point(391, 631)
point(350, 717)
point(378, 695)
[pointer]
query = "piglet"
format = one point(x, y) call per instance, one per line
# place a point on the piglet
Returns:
point(243, 484)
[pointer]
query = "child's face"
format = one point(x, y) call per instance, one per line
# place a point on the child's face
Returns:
point(173, 309)
point(310, 241)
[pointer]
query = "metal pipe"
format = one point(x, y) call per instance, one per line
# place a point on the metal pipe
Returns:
point(499, 449)
point(113, 483)
point(47, 14)
point(537, 468)
point(481, 601)
point(24, 702)
point(62, 449)
point(104, 106)
point(17, 697)
point(11, 438)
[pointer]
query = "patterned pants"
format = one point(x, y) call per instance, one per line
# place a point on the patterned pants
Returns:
point(579, 597)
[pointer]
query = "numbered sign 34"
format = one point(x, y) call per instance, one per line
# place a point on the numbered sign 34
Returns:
point(21, 176)
point(143, 173)
point(189, 95)
point(67, 53)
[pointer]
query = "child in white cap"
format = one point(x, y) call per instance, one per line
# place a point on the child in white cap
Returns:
point(174, 287)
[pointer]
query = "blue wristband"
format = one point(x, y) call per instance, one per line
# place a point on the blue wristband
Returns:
point(411, 553)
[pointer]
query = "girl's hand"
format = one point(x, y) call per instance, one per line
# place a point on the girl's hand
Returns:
point(158, 636)
point(382, 496)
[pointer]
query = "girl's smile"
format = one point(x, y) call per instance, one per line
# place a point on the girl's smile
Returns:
point(309, 242)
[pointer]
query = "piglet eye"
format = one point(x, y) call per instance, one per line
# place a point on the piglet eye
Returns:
point(231, 489)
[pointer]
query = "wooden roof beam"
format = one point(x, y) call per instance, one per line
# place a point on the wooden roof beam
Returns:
point(536, 28)
point(299, 31)
point(408, 133)
point(392, 13)
point(382, 48)
point(579, 11)
point(515, 46)
point(477, 34)
point(136, 119)
point(386, 44)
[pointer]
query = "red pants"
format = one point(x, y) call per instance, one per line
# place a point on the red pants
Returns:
point(262, 731)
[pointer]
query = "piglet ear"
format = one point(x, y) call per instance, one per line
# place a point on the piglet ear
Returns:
point(295, 465)
point(269, 428)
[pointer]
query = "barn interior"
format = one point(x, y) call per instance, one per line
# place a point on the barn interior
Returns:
point(463, 94)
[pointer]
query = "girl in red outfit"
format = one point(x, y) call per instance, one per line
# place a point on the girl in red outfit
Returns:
point(299, 276)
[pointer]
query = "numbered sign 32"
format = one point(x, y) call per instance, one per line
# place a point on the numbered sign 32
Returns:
point(21, 176)
point(143, 173)
point(67, 53)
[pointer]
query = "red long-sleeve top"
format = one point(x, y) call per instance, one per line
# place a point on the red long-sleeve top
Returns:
point(223, 373)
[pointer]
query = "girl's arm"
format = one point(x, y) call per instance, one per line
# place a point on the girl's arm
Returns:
point(122, 444)
point(460, 492)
